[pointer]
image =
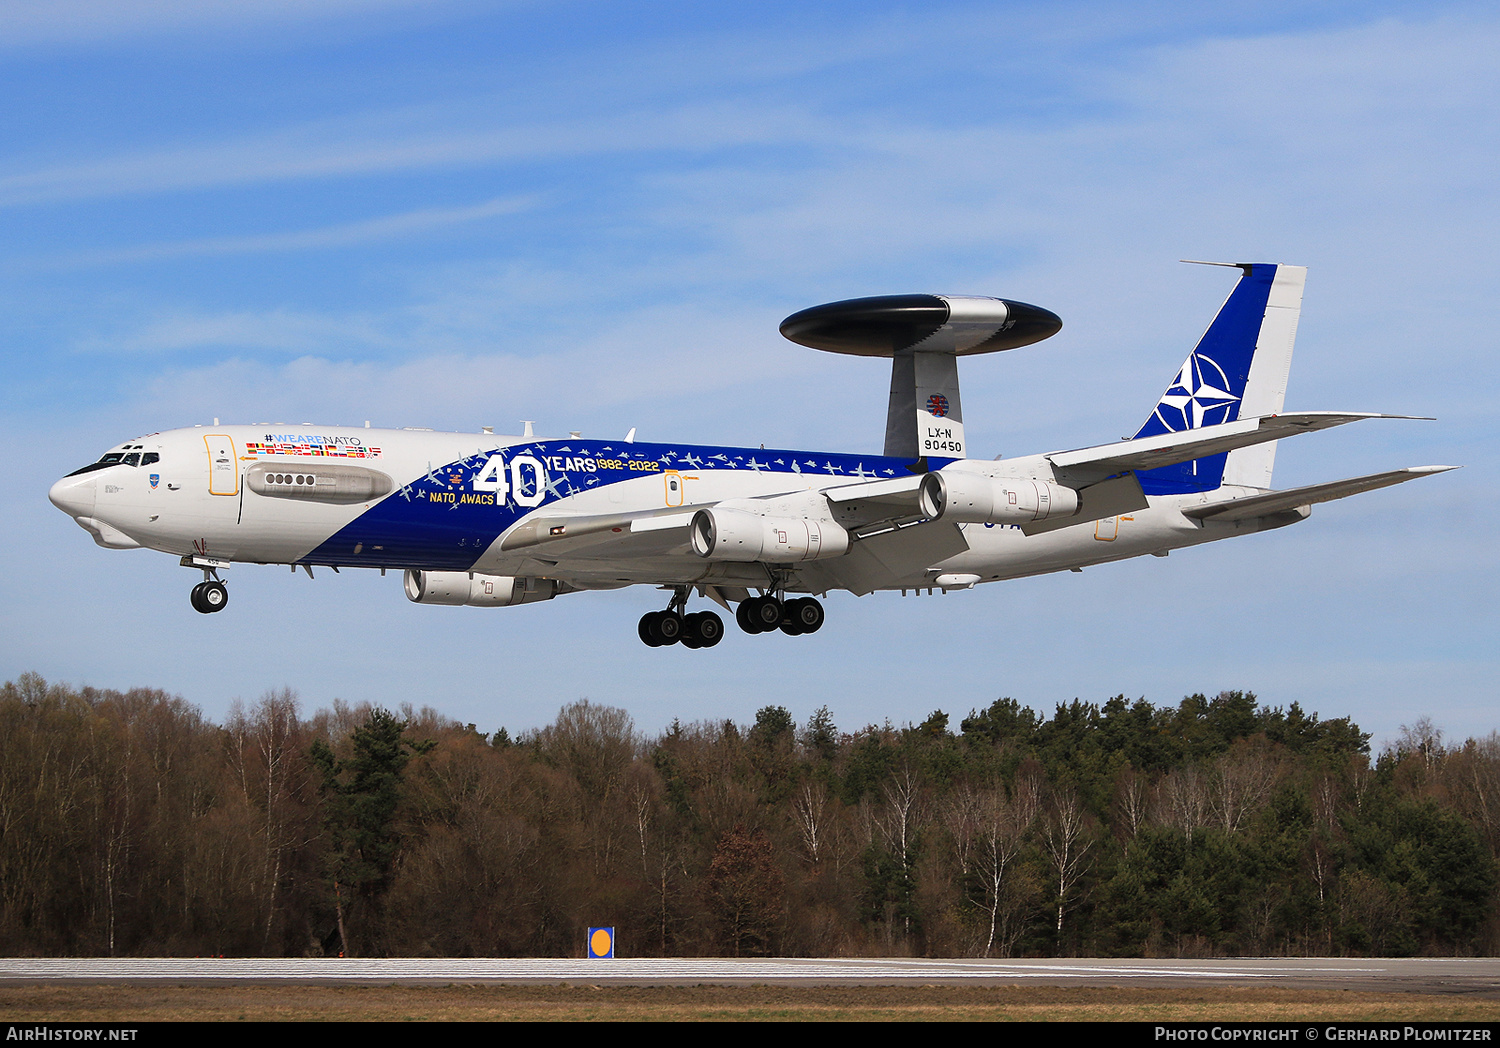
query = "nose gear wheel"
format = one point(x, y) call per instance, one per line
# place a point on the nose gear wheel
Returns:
point(209, 596)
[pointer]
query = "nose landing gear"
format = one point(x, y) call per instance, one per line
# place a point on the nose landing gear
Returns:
point(209, 596)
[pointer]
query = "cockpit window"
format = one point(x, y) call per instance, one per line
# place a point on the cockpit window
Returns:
point(120, 458)
point(111, 458)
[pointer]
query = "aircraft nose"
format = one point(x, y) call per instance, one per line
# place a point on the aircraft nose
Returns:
point(74, 495)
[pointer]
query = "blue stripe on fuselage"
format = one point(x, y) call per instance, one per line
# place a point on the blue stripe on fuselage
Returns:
point(441, 521)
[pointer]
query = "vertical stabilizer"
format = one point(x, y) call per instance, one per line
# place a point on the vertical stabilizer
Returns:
point(1238, 370)
point(1265, 391)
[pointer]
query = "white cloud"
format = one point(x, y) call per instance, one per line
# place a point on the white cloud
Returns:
point(403, 141)
point(346, 234)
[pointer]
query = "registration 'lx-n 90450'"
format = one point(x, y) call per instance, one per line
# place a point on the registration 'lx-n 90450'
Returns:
point(493, 521)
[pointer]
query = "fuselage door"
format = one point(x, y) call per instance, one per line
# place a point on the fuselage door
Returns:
point(223, 467)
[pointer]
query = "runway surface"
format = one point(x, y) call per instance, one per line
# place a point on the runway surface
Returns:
point(1468, 976)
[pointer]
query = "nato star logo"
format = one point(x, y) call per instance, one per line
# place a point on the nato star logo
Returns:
point(1200, 396)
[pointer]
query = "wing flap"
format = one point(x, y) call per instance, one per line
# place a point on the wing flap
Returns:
point(886, 559)
point(877, 506)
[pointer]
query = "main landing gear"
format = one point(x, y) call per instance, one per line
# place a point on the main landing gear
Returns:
point(209, 596)
point(792, 617)
point(704, 629)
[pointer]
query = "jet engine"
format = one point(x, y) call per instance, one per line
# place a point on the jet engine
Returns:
point(737, 535)
point(463, 588)
point(975, 499)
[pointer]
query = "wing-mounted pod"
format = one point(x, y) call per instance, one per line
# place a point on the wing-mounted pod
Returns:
point(924, 335)
point(462, 588)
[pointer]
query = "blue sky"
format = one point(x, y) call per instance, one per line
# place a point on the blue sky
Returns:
point(594, 215)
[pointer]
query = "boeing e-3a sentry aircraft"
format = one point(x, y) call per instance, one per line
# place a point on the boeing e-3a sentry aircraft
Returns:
point(493, 521)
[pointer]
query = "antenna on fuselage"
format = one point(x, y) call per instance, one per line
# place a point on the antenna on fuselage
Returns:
point(924, 335)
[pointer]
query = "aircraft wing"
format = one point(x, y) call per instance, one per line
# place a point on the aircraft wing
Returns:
point(877, 506)
point(866, 509)
point(1168, 449)
point(1293, 498)
point(644, 531)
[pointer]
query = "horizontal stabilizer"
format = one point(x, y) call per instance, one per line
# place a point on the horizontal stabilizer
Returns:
point(1293, 498)
point(1166, 449)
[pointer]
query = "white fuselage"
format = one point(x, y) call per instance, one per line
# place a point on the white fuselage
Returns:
point(423, 500)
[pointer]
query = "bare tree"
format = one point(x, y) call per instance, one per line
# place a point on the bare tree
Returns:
point(1472, 776)
point(268, 751)
point(898, 820)
point(1132, 801)
point(1182, 801)
point(1000, 828)
point(1423, 738)
point(810, 808)
point(1067, 839)
point(1240, 783)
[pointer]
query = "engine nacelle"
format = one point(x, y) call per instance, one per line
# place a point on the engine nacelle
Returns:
point(463, 588)
point(974, 499)
point(738, 535)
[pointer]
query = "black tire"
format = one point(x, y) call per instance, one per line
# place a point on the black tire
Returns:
point(766, 612)
point(195, 598)
point(647, 633)
point(743, 617)
point(668, 627)
point(807, 613)
point(214, 597)
point(710, 629)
